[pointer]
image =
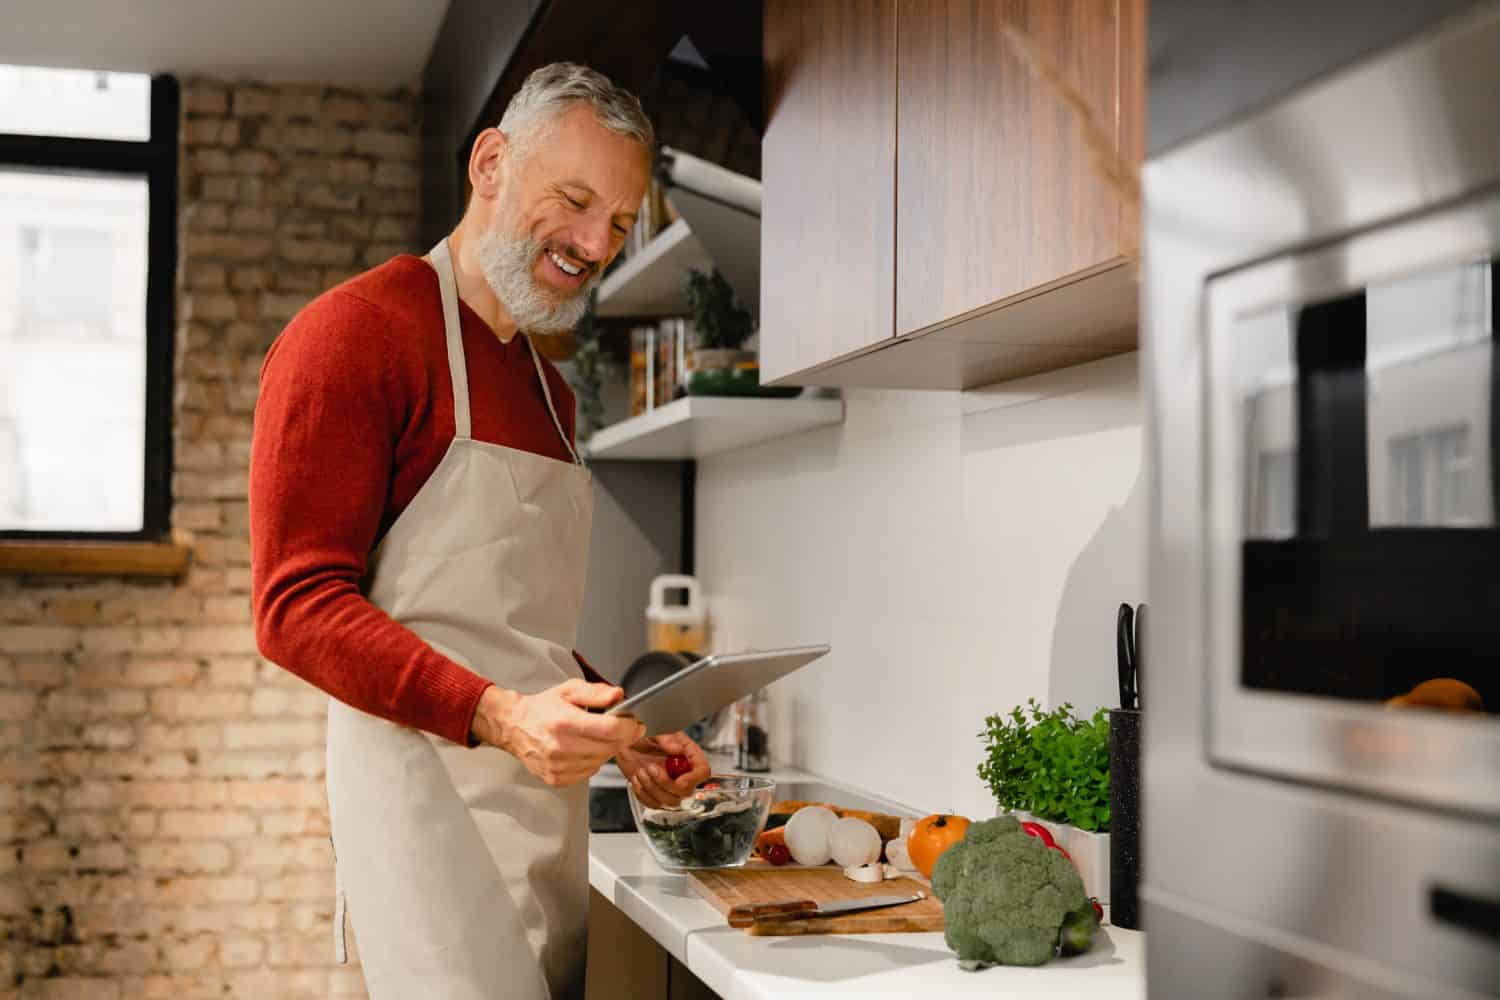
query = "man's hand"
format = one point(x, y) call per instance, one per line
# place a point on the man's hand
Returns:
point(552, 733)
point(644, 764)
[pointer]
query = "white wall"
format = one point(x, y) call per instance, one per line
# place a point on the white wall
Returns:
point(960, 551)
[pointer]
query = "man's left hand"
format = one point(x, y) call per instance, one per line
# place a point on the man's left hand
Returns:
point(644, 765)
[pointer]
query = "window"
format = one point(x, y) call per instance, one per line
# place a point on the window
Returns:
point(88, 196)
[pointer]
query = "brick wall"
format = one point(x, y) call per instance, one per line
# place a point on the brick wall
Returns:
point(161, 787)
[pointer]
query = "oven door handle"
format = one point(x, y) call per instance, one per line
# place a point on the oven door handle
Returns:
point(1473, 913)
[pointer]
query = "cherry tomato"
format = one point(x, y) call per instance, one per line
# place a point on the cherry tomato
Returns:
point(677, 766)
point(778, 854)
point(1040, 832)
point(1098, 910)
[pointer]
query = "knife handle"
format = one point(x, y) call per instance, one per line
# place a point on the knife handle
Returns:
point(749, 914)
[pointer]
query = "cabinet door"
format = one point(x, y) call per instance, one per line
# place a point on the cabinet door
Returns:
point(828, 165)
point(996, 195)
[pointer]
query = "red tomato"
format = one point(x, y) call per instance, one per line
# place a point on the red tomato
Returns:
point(1039, 831)
point(778, 854)
point(677, 766)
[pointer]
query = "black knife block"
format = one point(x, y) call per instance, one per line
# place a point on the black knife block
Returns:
point(1124, 817)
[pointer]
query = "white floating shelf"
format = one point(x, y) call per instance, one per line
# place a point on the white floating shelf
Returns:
point(698, 426)
point(653, 282)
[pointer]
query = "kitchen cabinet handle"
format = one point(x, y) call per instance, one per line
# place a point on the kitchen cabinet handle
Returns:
point(748, 914)
point(1472, 913)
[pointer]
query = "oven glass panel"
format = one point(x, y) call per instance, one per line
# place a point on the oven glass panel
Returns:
point(1370, 429)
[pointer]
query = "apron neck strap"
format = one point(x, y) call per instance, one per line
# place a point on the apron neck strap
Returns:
point(442, 261)
point(536, 359)
point(458, 371)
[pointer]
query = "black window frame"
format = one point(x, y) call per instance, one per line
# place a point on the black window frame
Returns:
point(154, 159)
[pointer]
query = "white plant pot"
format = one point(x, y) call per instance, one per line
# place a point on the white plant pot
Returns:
point(1089, 851)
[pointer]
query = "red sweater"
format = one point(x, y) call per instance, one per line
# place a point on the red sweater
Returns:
point(354, 414)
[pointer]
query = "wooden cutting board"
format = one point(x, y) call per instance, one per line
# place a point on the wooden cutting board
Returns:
point(729, 887)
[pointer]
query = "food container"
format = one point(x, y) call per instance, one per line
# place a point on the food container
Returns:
point(677, 628)
point(715, 827)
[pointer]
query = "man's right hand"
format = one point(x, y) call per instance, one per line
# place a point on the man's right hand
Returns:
point(552, 732)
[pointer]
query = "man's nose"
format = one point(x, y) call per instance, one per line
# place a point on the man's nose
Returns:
point(592, 237)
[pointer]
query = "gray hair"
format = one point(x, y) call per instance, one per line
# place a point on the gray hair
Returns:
point(554, 88)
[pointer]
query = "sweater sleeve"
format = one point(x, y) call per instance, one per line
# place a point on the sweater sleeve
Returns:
point(327, 421)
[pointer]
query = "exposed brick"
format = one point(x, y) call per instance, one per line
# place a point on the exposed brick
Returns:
point(345, 110)
point(38, 639)
point(347, 170)
point(229, 246)
point(181, 736)
point(169, 704)
point(294, 823)
point(393, 114)
point(136, 672)
point(197, 889)
point(252, 101)
point(396, 175)
point(275, 794)
point(217, 824)
point(388, 145)
point(18, 704)
point(301, 887)
point(73, 610)
point(282, 702)
point(220, 188)
point(204, 99)
point(248, 735)
point(94, 704)
point(232, 671)
point(205, 275)
point(177, 794)
point(186, 858)
point(251, 217)
point(198, 516)
point(20, 608)
point(330, 198)
point(167, 781)
point(294, 106)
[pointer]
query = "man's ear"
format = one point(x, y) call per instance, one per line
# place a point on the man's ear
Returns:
point(489, 161)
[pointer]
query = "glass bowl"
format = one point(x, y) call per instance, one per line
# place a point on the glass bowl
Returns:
point(715, 827)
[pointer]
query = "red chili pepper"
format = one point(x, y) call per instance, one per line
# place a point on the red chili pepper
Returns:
point(1061, 851)
point(1038, 831)
point(677, 766)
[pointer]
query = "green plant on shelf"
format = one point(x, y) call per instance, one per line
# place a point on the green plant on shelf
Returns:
point(720, 321)
point(590, 366)
point(1053, 765)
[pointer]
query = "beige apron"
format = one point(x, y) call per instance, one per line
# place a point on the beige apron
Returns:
point(466, 876)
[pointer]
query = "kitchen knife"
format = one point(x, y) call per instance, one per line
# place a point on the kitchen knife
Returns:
point(748, 914)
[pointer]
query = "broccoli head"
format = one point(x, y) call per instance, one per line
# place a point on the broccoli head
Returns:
point(1006, 895)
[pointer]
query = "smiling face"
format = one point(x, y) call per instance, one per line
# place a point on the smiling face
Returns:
point(559, 209)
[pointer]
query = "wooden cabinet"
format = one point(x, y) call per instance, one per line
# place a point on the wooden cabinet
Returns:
point(626, 963)
point(828, 175)
point(1010, 245)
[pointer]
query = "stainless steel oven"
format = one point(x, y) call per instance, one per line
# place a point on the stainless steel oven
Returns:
point(1322, 735)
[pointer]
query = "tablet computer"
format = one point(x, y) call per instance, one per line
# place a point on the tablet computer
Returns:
point(694, 692)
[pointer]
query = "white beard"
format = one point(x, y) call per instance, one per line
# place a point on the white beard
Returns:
point(507, 260)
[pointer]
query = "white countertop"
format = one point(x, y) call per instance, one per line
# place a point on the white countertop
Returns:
point(740, 967)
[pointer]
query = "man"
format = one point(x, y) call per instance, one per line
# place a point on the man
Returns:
point(419, 531)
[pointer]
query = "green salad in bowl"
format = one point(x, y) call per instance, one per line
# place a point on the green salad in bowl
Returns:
point(715, 827)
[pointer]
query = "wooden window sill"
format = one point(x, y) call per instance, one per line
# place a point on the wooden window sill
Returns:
point(82, 558)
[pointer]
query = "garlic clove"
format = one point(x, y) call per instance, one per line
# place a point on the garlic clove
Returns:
point(865, 873)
